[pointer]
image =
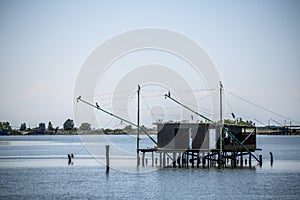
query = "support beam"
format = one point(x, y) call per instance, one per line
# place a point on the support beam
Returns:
point(174, 159)
point(143, 159)
point(241, 160)
point(160, 160)
point(152, 156)
point(250, 160)
point(198, 159)
point(192, 159)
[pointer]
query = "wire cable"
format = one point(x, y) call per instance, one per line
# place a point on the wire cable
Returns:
point(263, 108)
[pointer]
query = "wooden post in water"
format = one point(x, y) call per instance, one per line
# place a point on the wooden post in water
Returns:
point(198, 159)
point(271, 158)
point(160, 160)
point(187, 159)
point(179, 160)
point(164, 160)
point(107, 158)
point(182, 160)
point(235, 160)
point(152, 158)
point(250, 159)
point(192, 159)
point(241, 162)
point(143, 159)
point(208, 161)
point(174, 159)
point(260, 160)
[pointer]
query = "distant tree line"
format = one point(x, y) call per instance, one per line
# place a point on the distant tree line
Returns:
point(68, 127)
point(239, 121)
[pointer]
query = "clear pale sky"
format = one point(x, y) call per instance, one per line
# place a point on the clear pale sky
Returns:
point(254, 44)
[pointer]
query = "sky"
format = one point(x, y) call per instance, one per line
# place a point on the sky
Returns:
point(254, 44)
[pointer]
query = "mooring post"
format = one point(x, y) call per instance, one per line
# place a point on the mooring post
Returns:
point(164, 160)
point(69, 159)
point(271, 158)
point(155, 161)
point(107, 158)
point(168, 161)
point(146, 161)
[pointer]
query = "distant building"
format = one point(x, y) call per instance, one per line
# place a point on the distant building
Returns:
point(3, 132)
point(39, 130)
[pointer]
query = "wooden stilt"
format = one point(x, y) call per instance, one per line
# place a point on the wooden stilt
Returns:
point(160, 160)
point(187, 160)
point(143, 159)
point(192, 159)
point(241, 160)
point(152, 160)
point(260, 160)
point(250, 160)
point(174, 159)
point(198, 159)
point(179, 160)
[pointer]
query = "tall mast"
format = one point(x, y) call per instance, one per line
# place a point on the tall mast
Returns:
point(138, 127)
point(221, 119)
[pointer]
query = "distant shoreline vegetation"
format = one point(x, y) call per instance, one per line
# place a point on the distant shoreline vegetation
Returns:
point(69, 129)
point(86, 129)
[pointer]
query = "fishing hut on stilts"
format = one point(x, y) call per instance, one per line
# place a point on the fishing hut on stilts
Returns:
point(204, 144)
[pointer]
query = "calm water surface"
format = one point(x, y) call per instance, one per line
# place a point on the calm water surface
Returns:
point(35, 167)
